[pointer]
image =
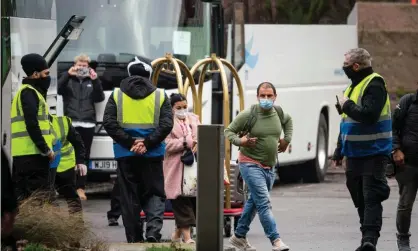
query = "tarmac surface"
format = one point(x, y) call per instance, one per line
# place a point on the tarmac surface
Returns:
point(309, 217)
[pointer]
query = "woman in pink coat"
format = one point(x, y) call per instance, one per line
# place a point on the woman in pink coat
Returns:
point(184, 132)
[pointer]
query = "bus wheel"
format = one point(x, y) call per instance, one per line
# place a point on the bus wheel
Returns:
point(316, 169)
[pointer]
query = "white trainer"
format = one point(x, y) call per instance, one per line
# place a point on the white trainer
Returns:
point(279, 245)
point(240, 243)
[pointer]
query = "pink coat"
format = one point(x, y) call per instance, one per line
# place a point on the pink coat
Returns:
point(173, 167)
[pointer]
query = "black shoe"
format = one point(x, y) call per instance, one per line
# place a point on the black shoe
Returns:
point(152, 239)
point(403, 243)
point(113, 222)
point(368, 246)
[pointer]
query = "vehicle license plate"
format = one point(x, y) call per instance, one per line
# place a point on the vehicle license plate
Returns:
point(104, 165)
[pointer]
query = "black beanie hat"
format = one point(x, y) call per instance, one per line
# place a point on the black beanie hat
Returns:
point(176, 97)
point(138, 68)
point(33, 63)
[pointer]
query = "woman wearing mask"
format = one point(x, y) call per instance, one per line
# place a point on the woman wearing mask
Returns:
point(184, 133)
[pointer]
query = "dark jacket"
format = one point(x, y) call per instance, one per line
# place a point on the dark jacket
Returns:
point(405, 127)
point(8, 197)
point(373, 101)
point(30, 106)
point(137, 88)
point(79, 96)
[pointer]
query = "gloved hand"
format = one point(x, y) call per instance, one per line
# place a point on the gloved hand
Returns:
point(337, 158)
point(81, 169)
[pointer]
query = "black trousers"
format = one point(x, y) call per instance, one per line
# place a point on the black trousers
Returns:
point(65, 185)
point(31, 174)
point(87, 136)
point(115, 210)
point(141, 186)
point(368, 188)
point(407, 177)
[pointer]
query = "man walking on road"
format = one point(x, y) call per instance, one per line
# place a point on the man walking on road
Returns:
point(257, 132)
point(81, 89)
point(139, 149)
point(366, 142)
point(31, 130)
point(405, 156)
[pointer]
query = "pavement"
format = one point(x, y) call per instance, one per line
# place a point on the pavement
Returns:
point(309, 217)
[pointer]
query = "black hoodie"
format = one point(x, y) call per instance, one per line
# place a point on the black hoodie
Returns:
point(405, 129)
point(137, 88)
point(30, 107)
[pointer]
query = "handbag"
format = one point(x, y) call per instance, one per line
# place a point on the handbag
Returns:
point(189, 177)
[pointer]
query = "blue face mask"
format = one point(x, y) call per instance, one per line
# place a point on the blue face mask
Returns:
point(266, 103)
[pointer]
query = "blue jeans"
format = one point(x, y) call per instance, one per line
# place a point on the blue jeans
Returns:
point(260, 182)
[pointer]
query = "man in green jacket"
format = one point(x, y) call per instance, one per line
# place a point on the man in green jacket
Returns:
point(257, 132)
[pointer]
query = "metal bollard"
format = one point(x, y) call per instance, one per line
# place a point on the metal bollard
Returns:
point(210, 154)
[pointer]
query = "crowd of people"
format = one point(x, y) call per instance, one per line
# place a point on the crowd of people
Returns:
point(155, 141)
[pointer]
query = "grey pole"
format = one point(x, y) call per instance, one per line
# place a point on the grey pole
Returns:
point(210, 187)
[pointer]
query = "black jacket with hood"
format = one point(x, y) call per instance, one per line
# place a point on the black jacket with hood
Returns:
point(405, 128)
point(30, 106)
point(137, 88)
point(79, 96)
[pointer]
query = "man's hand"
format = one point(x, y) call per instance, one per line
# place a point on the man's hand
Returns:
point(93, 74)
point(194, 147)
point(72, 71)
point(51, 156)
point(399, 157)
point(246, 141)
point(7, 222)
point(342, 100)
point(283, 144)
point(138, 147)
point(82, 169)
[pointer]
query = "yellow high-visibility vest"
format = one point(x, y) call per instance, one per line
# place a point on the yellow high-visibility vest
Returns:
point(22, 144)
point(138, 113)
point(359, 139)
point(61, 126)
point(139, 118)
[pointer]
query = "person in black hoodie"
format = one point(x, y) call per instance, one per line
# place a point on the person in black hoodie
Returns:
point(138, 117)
point(81, 88)
point(31, 134)
point(405, 156)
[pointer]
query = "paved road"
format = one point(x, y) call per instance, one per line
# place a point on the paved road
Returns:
point(310, 217)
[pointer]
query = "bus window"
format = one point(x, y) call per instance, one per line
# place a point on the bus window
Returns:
point(117, 30)
point(38, 9)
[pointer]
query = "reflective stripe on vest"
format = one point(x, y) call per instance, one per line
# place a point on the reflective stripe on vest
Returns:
point(22, 144)
point(138, 118)
point(359, 139)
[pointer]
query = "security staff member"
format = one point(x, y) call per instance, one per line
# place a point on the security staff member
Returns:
point(138, 117)
point(72, 155)
point(366, 141)
point(31, 130)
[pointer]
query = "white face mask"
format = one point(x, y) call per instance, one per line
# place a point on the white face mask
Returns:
point(181, 114)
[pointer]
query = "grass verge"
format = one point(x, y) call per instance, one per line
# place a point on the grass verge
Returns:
point(50, 226)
